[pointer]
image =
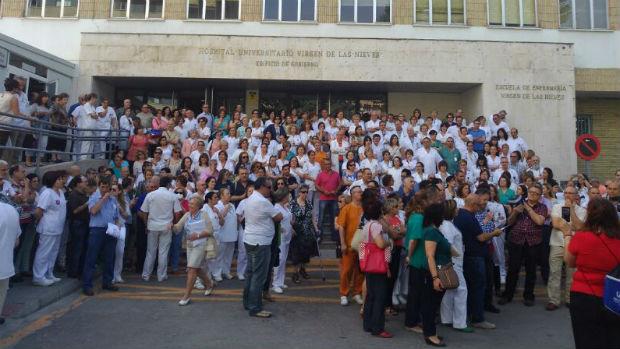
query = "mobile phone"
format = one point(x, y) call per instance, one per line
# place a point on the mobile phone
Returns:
point(566, 213)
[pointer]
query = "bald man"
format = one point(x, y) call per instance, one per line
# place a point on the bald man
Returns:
point(476, 250)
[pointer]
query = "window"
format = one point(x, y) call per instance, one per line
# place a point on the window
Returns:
point(583, 14)
point(138, 9)
point(288, 10)
point(52, 8)
point(213, 9)
point(439, 12)
point(584, 124)
point(366, 11)
point(512, 13)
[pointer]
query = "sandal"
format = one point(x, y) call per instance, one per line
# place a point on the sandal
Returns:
point(262, 314)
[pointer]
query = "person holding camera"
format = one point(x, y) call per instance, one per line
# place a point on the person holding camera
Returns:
point(565, 218)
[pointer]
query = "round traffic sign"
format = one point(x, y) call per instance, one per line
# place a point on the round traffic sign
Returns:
point(588, 147)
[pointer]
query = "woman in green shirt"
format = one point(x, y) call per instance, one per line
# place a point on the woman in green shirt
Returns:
point(438, 252)
point(504, 193)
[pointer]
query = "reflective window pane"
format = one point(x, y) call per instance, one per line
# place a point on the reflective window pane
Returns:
point(582, 14)
point(35, 8)
point(457, 11)
point(119, 8)
point(364, 11)
point(212, 11)
point(194, 9)
point(156, 8)
point(137, 9)
point(513, 18)
point(495, 12)
point(71, 8)
point(440, 11)
point(289, 10)
point(421, 11)
point(307, 10)
point(600, 14)
point(231, 10)
point(383, 11)
point(529, 13)
point(347, 10)
point(52, 8)
point(271, 10)
point(566, 14)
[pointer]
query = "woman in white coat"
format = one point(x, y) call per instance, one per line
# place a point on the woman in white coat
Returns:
point(281, 197)
point(454, 303)
point(242, 259)
point(217, 221)
point(227, 236)
point(50, 213)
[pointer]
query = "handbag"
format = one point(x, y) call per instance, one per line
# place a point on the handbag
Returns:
point(448, 277)
point(611, 288)
point(374, 260)
point(211, 248)
point(358, 237)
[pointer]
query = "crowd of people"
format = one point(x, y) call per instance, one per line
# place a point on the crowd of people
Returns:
point(269, 188)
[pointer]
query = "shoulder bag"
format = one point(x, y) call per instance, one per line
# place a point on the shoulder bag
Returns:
point(448, 277)
point(374, 260)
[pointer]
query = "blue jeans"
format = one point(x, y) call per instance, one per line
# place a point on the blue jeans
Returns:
point(331, 207)
point(475, 276)
point(78, 244)
point(259, 257)
point(99, 241)
point(175, 251)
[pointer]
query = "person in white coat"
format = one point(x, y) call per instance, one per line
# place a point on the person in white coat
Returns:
point(217, 221)
point(87, 118)
point(454, 303)
point(50, 213)
point(282, 197)
point(242, 258)
point(228, 234)
point(428, 156)
point(9, 234)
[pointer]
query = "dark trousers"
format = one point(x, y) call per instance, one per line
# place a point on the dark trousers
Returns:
point(474, 269)
point(430, 305)
point(593, 326)
point(519, 254)
point(328, 209)
point(543, 256)
point(394, 267)
point(413, 311)
point(489, 269)
point(259, 257)
point(374, 306)
point(78, 244)
point(141, 242)
point(99, 242)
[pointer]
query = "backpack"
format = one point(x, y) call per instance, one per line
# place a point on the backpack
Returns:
point(611, 288)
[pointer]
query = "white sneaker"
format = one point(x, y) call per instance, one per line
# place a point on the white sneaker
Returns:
point(358, 299)
point(163, 279)
point(217, 278)
point(184, 302)
point(199, 285)
point(240, 277)
point(284, 286)
point(277, 290)
point(146, 278)
point(209, 291)
point(118, 281)
point(344, 301)
point(42, 282)
point(54, 279)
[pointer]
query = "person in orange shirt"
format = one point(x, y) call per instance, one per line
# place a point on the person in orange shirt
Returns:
point(348, 221)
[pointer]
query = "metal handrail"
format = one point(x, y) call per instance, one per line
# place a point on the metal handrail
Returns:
point(112, 136)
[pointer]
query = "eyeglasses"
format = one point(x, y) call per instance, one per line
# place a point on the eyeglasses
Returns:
point(303, 192)
point(280, 183)
point(158, 152)
point(535, 192)
point(245, 157)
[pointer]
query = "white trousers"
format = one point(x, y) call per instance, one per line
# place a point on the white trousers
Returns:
point(118, 259)
point(86, 147)
point(99, 146)
point(157, 242)
point(279, 272)
point(222, 262)
point(45, 257)
point(401, 287)
point(242, 258)
point(499, 256)
point(454, 303)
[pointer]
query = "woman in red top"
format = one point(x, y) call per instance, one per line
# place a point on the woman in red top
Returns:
point(137, 142)
point(594, 252)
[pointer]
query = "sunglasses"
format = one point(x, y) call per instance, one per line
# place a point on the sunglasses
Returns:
point(303, 192)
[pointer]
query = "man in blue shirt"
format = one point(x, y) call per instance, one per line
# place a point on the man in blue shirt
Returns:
point(479, 137)
point(103, 209)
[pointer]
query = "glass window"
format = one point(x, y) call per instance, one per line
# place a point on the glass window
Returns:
point(566, 14)
point(288, 10)
point(194, 9)
point(52, 8)
point(512, 13)
point(231, 9)
point(439, 12)
point(366, 11)
point(457, 11)
point(138, 9)
point(599, 8)
point(213, 9)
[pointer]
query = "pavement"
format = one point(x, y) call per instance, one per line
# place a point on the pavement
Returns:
point(308, 315)
point(24, 298)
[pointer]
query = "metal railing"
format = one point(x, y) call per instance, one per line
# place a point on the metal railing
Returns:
point(98, 143)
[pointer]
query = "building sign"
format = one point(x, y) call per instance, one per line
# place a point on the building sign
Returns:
point(534, 92)
point(4, 57)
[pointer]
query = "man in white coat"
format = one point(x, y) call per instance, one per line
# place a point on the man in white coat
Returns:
point(428, 156)
point(9, 234)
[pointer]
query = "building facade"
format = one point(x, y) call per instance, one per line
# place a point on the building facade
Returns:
point(554, 65)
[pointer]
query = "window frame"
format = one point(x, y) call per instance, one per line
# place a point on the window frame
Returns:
point(574, 17)
point(430, 14)
point(521, 25)
point(299, 20)
point(62, 10)
point(146, 12)
point(374, 14)
point(204, 12)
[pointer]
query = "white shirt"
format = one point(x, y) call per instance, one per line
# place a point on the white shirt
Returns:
point(9, 232)
point(455, 238)
point(312, 170)
point(286, 223)
point(372, 124)
point(161, 205)
point(429, 158)
point(228, 232)
point(259, 227)
point(54, 208)
point(517, 144)
point(84, 118)
point(557, 237)
point(105, 122)
point(514, 177)
point(495, 127)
